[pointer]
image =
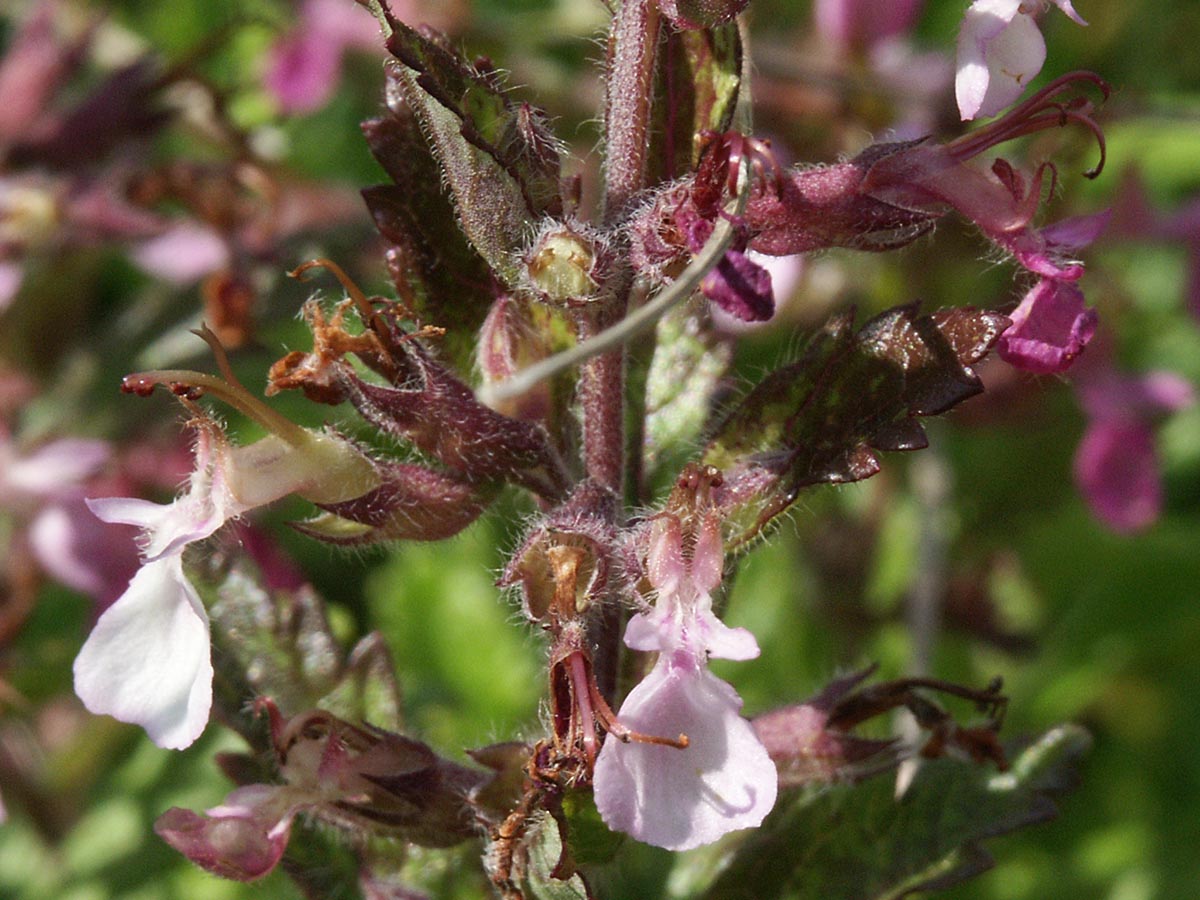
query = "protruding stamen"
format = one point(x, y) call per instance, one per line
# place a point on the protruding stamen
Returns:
point(609, 721)
point(1038, 113)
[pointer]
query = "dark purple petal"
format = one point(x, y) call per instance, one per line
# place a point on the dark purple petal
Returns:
point(741, 287)
point(1049, 328)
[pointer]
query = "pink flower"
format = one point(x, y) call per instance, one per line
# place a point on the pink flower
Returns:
point(723, 779)
point(864, 23)
point(1050, 328)
point(339, 772)
point(1116, 464)
point(183, 254)
point(147, 661)
point(305, 65)
point(1000, 50)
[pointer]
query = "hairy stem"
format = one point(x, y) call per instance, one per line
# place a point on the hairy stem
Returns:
point(632, 53)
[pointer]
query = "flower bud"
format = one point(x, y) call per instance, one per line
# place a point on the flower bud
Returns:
point(562, 265)
point(412, 503)
point(509, 342)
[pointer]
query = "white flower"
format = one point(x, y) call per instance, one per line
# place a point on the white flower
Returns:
point(1000, 50)
point(148, 660)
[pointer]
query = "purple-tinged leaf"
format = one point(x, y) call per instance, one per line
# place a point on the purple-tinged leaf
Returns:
point(498, 157)
point(699, 92)
point(436, 272)
point(821, 419)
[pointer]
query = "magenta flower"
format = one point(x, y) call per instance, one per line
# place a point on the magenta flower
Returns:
point(723, 779)
point(1116, 464)
point(148, 660)
point(1050, 328)
point(1000, 50)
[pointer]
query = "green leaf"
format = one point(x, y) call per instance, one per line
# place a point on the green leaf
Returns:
point(861, 843)
point(821, 418)
point(542, 855)
point(588, 838)
point(689, 362)
point(498, 157)
point(280, 645)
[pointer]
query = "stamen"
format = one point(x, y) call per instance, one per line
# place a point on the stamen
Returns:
point(609, 721)
point(1038, 113)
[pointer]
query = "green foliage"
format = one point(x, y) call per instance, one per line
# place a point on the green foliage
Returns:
point(862, 843)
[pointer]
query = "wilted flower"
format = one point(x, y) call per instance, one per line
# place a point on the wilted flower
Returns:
point(723, 780)
point(147, 661)
point(1000, 50)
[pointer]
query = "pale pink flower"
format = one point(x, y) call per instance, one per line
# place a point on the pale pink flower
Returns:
point(243, 838)
point(723, 780)
point(147, 661)
point(338, 772)
point(1000, 50)
point(183, 254)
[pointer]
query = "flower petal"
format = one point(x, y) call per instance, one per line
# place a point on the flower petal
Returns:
point(740, 287)
point(1050, 327)
point(678, 799)
point(148, 659)
point(243, 839)
point(1000, 50)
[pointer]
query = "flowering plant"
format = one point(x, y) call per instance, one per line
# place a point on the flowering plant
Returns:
point(556, 340)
